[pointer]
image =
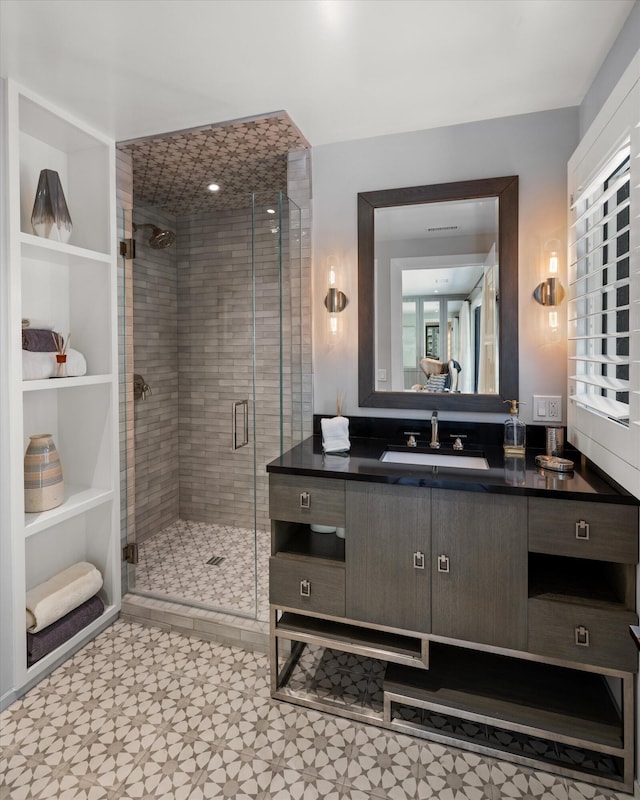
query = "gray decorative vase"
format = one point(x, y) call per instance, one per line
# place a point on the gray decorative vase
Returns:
point(50, 217)
point(43, 482)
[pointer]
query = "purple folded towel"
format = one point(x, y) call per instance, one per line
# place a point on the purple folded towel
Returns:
point(45, 641)
point(38, 340)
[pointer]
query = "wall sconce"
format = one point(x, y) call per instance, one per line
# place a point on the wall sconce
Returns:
point(551, 292)
point(335, 301)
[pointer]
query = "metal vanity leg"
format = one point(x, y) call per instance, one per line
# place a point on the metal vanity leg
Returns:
point(279, 677)
point(273, 649)
point(628, 722)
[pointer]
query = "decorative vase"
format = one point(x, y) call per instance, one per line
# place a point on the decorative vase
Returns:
point(43, 482)
point(61, 366)
point(50, 217)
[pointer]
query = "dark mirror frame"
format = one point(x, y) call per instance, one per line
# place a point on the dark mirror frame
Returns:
point(506, 190)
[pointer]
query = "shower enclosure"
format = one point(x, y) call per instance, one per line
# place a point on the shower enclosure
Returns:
point(212, 364)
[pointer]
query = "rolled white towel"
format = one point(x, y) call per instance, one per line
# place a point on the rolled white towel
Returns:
point(36, 366)
point(335, 435)
point(49, 601)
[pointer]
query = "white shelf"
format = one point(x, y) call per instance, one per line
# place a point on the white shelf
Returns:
point(65, 383)
point(77, 500)
point(39, 247)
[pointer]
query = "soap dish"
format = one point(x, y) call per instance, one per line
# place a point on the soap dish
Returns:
point(555, 463)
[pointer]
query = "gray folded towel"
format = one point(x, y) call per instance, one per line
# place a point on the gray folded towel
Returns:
point(39, 340)
point(45, 641)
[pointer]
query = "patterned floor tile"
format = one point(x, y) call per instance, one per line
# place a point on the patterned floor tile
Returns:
point(320, 746)
point(584, 791)
point(145, 714)
point(379, 761)
point(520, 783)
point(233, 774)
point(167, 768)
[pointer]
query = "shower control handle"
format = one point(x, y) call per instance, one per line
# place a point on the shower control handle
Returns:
point(140, 388)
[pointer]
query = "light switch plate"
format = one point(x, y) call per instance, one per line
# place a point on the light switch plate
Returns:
point(547, 408)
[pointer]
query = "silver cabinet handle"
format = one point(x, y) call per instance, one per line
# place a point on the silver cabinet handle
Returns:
point(305, 588)
point(418, 560)
point(443, 563)
point(582, 636)
point(582, 530)
point(305, 500)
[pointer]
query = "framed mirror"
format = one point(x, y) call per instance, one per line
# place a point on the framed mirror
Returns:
point(438, 296)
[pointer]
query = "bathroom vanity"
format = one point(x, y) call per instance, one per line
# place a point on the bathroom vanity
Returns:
point(499, 602)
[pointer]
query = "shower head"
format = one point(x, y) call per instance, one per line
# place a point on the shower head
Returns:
point(159, 238)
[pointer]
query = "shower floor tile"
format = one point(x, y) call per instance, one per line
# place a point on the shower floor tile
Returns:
point(173, 564)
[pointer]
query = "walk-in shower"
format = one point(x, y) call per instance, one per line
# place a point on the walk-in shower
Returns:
point(213, 322)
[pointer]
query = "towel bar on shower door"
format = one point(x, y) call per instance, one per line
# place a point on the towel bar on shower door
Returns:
point(239, 407)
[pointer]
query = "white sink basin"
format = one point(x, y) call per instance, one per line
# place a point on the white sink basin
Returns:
point(434, 459)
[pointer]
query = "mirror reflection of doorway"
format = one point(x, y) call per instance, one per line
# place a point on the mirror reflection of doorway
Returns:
point(432, 340)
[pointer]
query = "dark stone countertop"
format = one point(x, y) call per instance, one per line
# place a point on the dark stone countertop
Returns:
point(362, 464)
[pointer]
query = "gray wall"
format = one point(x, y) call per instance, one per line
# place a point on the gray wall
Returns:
point(534, 146)
point(617, 60)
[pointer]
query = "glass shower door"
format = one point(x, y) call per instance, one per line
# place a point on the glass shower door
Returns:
point(211, 351)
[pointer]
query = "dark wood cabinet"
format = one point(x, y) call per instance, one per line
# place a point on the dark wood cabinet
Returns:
point(479, 568)
point(388, 555)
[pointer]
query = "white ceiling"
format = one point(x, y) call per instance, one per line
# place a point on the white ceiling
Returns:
point(342, 69)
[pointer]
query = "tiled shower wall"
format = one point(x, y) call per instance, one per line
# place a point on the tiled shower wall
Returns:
point(155, 358)
point(216, 365)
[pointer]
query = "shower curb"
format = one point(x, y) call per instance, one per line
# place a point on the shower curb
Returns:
point(249, 634)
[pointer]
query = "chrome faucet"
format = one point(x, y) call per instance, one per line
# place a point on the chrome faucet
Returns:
point(434, 444)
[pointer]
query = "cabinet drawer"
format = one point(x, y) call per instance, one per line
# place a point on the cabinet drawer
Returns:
point(582, 633)
point(602, 531)
point(296, 498)
point(309, 586)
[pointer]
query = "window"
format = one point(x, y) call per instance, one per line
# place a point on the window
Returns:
point(604, 287)
point(599, 293)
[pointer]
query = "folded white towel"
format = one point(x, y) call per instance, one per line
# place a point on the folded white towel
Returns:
point(30, 322)
point(49, 601)
point(335, 435)
point(36, 366)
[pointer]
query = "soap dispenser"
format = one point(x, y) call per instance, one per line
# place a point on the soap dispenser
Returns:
point(514, 431)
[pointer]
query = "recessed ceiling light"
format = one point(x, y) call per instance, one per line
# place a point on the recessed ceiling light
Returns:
point(213, 187)
point(271, 211)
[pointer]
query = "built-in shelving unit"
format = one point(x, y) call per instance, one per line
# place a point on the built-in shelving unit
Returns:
point(72, 286)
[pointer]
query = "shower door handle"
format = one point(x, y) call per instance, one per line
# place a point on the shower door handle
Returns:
point(239, 408)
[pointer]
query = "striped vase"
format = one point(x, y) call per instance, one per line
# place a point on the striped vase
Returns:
point(43, 483)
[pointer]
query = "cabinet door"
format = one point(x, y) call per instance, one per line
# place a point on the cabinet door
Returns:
point(479, 567)
point(387, 547)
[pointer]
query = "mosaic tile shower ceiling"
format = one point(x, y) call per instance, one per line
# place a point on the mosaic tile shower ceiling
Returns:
point(174, 170)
